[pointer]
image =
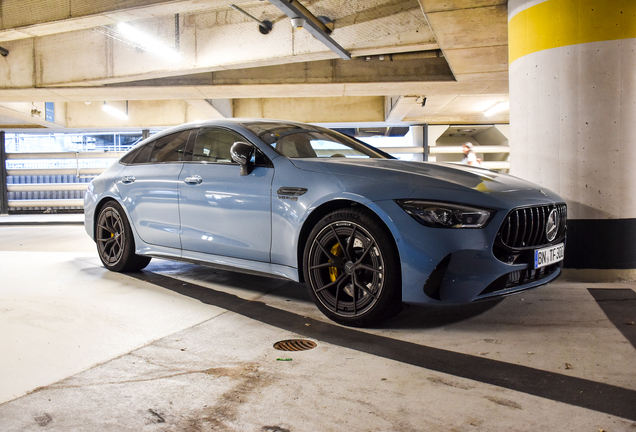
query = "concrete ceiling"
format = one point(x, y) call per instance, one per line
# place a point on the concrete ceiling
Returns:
point(413, 61)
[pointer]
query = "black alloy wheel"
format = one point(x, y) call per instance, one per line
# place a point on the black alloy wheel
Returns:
point(115, 241)
point(352, 269)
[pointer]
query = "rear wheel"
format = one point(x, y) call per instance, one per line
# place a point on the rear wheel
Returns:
point(352, 268)
point(115, 241)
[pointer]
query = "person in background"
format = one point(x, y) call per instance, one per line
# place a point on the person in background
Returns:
point(469, 155)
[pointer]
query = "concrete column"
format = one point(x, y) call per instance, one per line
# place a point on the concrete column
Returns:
point(419, 133)
point(4, 201)
point(573, 122)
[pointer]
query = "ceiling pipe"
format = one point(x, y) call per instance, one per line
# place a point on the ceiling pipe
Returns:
point(413, 55)
point(318, 29)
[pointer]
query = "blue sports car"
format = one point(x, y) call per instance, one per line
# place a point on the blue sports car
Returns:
point(365, 231)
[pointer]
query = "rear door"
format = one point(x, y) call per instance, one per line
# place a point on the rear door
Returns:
point(222, 212)
point(149, 189)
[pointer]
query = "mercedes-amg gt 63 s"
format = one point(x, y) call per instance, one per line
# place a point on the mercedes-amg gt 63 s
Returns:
point(365, 232)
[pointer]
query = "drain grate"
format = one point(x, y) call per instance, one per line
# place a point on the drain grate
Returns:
point(295, 345)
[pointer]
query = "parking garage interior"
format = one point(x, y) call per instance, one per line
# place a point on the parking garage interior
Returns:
point(543, 89)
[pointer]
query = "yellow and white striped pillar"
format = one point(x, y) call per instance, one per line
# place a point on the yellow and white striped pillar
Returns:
point(573, 122)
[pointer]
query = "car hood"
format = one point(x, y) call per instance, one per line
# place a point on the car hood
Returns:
point(417, 174)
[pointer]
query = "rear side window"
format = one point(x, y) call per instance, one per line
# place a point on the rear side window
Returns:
point(143, 154)
point(127, 160)
point(170, 148)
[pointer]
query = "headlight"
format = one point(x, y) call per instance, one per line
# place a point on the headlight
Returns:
point(445, 215)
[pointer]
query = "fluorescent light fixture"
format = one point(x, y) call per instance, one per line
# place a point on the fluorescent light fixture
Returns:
point(114, 112)
point(148, 43)
point(501, 106)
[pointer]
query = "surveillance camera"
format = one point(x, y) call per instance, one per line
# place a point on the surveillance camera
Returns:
point(297, 23)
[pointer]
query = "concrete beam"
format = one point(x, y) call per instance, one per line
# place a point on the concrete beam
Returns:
point(398, 107)
point(212, 109)
point(131, 93)
point(320, 110)
point(169, 113)
point(473, 36)
point(439, 109)
point(419, 66)
point(22, 19)
point(208, 42)
point(141, 113)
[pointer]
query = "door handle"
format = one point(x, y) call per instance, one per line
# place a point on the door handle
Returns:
point(195, 179)
point(128, 179)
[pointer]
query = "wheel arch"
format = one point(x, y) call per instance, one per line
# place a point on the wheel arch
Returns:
point(98, 208)
point(320, 212)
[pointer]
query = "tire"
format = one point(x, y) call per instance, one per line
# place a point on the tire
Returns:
point(115, 241)
point(352, 268)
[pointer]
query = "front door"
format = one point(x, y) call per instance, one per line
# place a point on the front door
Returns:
point(222, 212)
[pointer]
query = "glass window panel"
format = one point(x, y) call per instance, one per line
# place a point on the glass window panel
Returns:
point(213, 145)
point(170, 148)
point(143, 155)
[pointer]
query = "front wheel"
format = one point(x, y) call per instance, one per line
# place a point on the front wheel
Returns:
point(352, 268)
point(115, 241)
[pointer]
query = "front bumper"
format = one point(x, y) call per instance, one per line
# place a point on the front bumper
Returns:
point(457, 265)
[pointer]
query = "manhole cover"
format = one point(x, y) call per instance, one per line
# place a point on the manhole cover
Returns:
point(295, 345)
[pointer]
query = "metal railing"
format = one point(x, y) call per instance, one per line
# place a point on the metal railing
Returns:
point(77, 171)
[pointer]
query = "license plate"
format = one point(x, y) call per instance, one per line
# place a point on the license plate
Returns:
point(550, 255)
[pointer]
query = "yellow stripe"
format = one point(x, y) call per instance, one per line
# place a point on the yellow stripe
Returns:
point(558, 23)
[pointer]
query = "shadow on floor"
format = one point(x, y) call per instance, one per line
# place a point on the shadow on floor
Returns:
point(411, 317)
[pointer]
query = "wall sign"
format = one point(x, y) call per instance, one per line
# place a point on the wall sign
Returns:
point(49, 109)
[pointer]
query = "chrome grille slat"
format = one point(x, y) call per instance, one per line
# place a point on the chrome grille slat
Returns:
point(525, 227)
point(508, 232)
point(533, 222)
point(538, 224)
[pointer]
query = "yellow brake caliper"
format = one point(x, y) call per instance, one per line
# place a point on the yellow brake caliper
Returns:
point(333, 271)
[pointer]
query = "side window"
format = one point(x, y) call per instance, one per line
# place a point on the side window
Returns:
point(213, 145)
point(128, 158)
point(143, 154)
point(170, 148)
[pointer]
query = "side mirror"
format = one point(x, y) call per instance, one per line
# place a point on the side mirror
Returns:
point(242, 154)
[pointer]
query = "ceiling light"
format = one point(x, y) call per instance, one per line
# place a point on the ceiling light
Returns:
point(114, 112)
point(148, 43)
point(501, 106)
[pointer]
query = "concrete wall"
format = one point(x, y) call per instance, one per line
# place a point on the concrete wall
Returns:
point(317, 110)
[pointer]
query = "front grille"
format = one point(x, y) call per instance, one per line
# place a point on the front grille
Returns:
point(525, 227)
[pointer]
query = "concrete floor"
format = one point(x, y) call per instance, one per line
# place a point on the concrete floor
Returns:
point(187, 348)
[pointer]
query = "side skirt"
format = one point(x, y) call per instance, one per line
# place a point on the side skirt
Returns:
point(227, 263)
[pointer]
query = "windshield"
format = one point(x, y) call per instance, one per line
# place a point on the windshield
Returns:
point(307, 141)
